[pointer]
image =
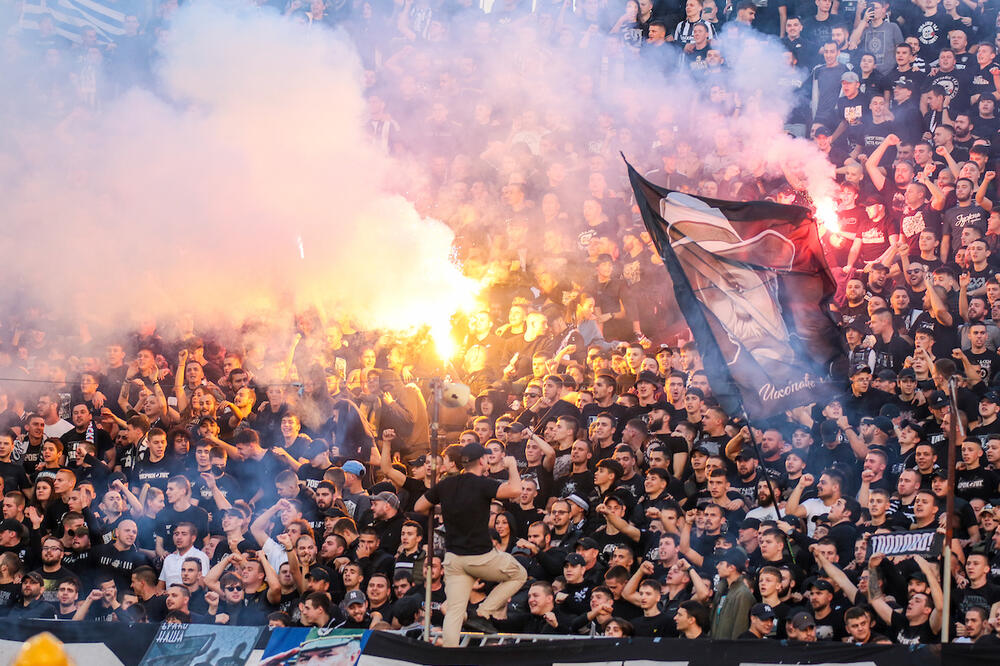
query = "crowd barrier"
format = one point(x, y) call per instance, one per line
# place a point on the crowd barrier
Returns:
point(107, 644)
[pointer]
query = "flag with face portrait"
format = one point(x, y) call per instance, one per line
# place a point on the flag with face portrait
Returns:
point(753, 285)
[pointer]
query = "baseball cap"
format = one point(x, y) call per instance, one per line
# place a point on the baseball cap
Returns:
point(762, 612)
point(850, 77)
point(822, 130)
point(918, 576)
point(803, 620)
point(647, 376)
point(316, 447)
point(353, 467)
point(389, 498)
point(860, 368)
point(574, 560)
point(914, 426)
point(579, 501)
point(9, 524)
point(473, 451)
point(907, 373)
point(586, 543)
point(820, 584)
point(750, 524)
point(354, 597)
point(887, 375)
point(736, 557)
point(990, 396)
point(319, 572)
point(937, 399)
point(884, 424)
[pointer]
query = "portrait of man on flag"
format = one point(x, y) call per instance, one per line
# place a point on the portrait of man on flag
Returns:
point(754, 288)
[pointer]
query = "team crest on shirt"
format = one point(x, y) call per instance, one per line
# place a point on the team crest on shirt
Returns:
point(911, 225)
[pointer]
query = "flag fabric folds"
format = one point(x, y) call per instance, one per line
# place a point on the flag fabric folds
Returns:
point(753, 285)
point(71, 17)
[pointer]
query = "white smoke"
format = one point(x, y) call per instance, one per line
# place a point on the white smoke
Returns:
point(248, 185)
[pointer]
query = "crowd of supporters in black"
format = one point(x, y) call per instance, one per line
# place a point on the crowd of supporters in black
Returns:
point(179, 473)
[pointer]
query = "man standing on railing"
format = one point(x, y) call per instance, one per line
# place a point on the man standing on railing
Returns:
point(465, 509)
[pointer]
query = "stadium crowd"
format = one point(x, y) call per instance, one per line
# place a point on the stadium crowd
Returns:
point(176, 473)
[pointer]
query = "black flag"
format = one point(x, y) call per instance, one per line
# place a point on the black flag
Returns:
point(752, 283)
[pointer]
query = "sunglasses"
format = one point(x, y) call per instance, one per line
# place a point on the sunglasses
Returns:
point(234, 588)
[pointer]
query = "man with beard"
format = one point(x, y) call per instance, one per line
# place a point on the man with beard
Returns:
point(32, 605)
point(765, 509)
point(891, 351)
point(120, 557)
point(605, 401)
point(855, 307)
point(966, 213)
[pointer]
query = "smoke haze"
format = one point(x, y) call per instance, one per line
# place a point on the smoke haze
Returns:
point(247, 183)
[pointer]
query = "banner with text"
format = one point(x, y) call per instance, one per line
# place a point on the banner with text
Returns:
point(916, 542)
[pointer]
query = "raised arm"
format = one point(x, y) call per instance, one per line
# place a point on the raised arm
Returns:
point(630, 592)
point(876, 597)
point(271, 576)
point(792, 507)
point(937, 594)
point(871, 164)
point(511, 488)
point(620, 524)
point(549, 459)
point(385, 463)
point(849, 589)
point(981, 198)
point(259, 526)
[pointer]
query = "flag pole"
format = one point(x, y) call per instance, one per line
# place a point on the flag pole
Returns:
point(760, 462)
point(949, 506)
point(767, 478)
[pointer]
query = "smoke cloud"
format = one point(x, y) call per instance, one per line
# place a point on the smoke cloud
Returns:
point(245, 185)
point(247, 182)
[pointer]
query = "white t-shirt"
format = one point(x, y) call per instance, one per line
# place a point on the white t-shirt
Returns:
point(58, 429)
point(763, 513)
point(274, 552)
point(171, 573)
point(813, 507)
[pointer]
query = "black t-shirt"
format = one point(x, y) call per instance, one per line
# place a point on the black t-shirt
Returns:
point(930, 31)
point(956, 84)
point(908, 223)
point(968, 597)
point(13, 476)
point(831, 627)
point(465, 508)
point(874, 236)
point(904, 634)
point(580, 483)
point(169, 517)
point(121, 564)
point(982, 79)
point(975, 483)
point(655, 625)
point(891, 355)
point(155, 474)
point(853, 111)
